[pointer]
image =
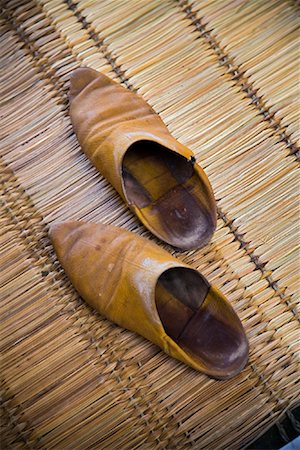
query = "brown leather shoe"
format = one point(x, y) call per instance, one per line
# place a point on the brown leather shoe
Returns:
point(141, 287)
point(133, 149)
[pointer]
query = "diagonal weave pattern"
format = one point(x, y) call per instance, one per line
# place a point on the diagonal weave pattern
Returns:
point(223, 76)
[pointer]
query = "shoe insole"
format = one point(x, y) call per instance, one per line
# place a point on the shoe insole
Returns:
point(154, 170)
point(168, 192)
point(204, 328)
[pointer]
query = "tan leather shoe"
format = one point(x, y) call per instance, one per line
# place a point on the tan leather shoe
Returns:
point(141, 287)
point(133, 149)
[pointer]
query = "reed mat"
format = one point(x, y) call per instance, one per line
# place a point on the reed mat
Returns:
point(223, 75)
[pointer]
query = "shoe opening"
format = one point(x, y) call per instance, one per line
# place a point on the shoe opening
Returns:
point(203, 325)
point(173, 200)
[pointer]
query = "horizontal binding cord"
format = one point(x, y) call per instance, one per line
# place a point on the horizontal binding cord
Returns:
point(240, 79)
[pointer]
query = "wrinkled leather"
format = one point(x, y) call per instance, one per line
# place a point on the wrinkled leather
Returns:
point(116, 272)
point(107, 118)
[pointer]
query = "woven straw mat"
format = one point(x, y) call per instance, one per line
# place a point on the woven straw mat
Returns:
point(223, 76)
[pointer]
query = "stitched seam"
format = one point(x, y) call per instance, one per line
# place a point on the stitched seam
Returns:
point(123, 383)
point(41, 250)
point(260, 376)
point(238, 76)
point(268, 388)
point(42, 68)
point(234, 230)
point(45, 70)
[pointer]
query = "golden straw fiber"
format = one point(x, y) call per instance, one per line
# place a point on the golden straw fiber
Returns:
point(223, 76)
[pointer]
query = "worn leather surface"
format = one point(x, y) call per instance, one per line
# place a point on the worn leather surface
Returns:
point(107, 119)
point(117, 272)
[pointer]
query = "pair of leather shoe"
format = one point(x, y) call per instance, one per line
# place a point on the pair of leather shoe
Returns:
point(128, 279)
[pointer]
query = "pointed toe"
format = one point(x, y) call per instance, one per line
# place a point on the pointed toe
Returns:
point(57, 231)
point(80, 79)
